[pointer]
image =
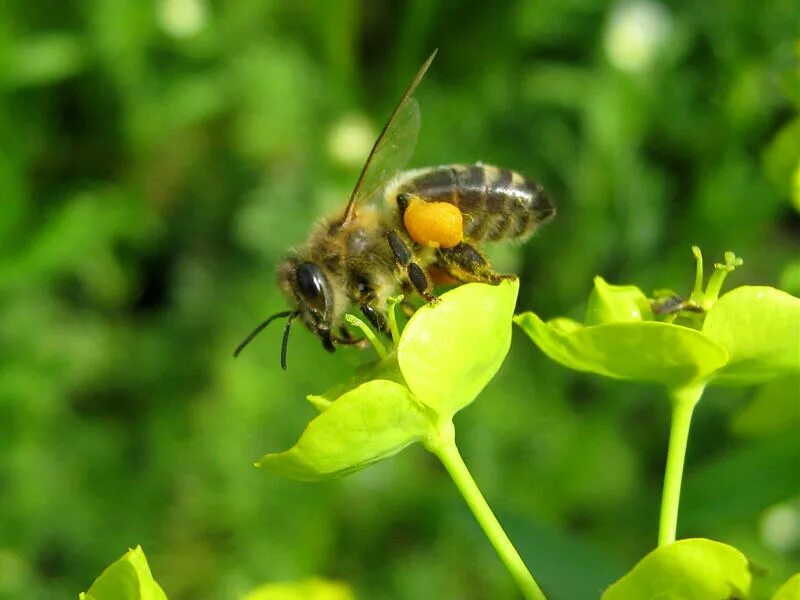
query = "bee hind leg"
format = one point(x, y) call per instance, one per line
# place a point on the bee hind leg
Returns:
point(467, 263)
point(416, 274)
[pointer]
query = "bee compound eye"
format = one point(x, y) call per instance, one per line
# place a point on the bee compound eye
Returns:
point(311, 285)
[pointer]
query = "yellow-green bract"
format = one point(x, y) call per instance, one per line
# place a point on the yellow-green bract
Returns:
point(128, 578)
point(789, 590)
point(693, 569)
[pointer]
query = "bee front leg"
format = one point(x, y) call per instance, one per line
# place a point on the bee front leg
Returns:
point(416, 274)
point(467, 263)
point(376, 317)
point(406, 307)
point(346, 337)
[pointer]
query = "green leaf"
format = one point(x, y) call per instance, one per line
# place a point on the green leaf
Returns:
point(789, 590)
point(647, 351)
point(46, 58)
point(311, 589)
point(129, 578)
point(371, 422)
point(760, 329)
point(450, 350)
point(781, 159)
point(693, 569)
point(616, 303)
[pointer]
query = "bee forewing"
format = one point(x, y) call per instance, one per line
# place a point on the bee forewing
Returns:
point(393, 148)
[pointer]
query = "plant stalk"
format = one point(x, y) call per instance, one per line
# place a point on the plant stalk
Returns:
point(683, 403)
point(444, 447)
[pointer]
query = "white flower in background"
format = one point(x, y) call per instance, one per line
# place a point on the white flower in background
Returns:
point(349, 140)
point(780, 527)
point(182, 18)
point(635, 33)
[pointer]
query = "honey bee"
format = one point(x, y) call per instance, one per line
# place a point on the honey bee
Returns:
point(398, 227)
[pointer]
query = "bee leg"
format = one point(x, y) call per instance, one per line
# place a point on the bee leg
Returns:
point(407, 307)
point(402, 203)
point(344, 333)
point(467, 263)
point(376, 317)
point(346, 336)
point(416, 275)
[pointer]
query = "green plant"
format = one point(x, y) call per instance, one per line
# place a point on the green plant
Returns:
point(444, 357)
point(749, 335)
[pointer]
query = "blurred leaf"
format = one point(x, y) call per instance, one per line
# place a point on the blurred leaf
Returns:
point(44, 59)
point(274, 84)
point(790, 277)
point(760, 329)
point(616, 304)
point(68, 240)
point(782, 159)
point(740, 483)
point(693, 569)
point(648, 351)
point(127, 579)
point(775, 409)
point(789, 590)
point(795, 187)
point(312, 589)
point(451, 349)
point(554, 551)
point(372, 422)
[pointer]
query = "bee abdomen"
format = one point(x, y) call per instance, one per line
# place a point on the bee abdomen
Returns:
point(497, 203)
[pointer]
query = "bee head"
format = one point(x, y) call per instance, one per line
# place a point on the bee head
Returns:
point(306, 284)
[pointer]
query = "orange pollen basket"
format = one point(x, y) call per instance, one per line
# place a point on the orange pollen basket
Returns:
point(435, 224)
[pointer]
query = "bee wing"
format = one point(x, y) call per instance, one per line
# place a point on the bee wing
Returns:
point(392, 149)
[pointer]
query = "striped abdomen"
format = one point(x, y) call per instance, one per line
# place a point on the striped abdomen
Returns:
point(497, 204)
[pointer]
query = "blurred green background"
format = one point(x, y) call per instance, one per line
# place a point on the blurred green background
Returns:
point(158, 158)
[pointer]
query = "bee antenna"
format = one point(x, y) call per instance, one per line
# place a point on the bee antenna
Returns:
point(285, 342)
point(284, 313)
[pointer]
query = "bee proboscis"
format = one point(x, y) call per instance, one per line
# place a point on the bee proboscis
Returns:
point(397, 226)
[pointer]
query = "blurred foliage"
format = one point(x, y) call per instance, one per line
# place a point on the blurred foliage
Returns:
point(158, 158)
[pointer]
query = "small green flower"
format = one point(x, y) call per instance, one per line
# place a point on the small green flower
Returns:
point(445, 356)
point(749, 335)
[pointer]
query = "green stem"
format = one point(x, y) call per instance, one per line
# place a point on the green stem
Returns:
point(444, 447)
point(391, 304)
point(380, 349)
point(718, 277)
point(683, 403)
point(697, 292)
